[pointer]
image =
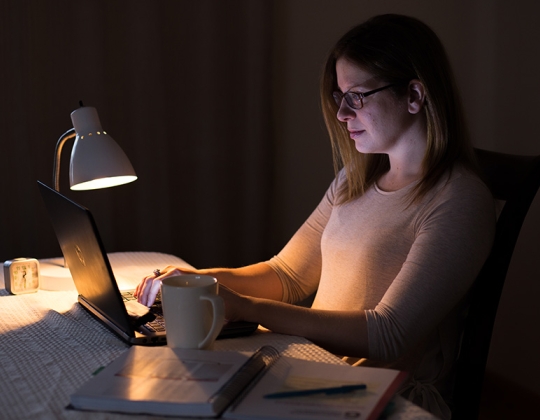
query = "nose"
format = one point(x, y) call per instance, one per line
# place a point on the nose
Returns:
point(345, 113)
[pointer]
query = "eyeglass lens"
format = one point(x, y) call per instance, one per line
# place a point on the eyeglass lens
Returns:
point(354, 100)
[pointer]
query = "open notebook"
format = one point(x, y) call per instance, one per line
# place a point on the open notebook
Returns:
point(92, 274)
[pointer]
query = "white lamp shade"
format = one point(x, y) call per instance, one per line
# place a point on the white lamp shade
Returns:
point(97, 161)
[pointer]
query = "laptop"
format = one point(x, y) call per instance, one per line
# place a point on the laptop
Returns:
point(98, 290)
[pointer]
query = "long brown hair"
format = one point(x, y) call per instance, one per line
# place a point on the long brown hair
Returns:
point(398, 49)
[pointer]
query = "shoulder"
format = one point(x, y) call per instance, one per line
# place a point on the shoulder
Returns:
point(461, 184)
point(459, 195)
point(336, 186)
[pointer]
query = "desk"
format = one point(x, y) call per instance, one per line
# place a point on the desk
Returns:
point(49, 346)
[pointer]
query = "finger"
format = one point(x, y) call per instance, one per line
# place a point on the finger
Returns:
point(140, 290)
point(147, 290)
point(146, 295)
point(144, 289)
point(153, 291)
point(151, 285)
point(140, 286)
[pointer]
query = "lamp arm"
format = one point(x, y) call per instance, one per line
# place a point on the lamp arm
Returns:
point(58, 154)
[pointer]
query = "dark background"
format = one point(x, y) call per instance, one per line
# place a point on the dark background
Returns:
point(183, 87)
point(216, 105)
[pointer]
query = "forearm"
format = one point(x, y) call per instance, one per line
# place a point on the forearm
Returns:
point(341, 332)
point(257, 280)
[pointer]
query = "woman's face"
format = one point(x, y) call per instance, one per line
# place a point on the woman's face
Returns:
point(384, 123)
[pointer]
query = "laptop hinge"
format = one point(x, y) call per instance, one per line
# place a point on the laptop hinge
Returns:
point(107, 321)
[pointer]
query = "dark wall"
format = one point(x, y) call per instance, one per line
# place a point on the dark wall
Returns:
point(183, 87)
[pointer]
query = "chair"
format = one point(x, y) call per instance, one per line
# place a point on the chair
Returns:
point(515, 180)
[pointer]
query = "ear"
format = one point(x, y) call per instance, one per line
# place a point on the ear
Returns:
point(416, 96)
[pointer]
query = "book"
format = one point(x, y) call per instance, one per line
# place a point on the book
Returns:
point(167, 381)
point(235, 385)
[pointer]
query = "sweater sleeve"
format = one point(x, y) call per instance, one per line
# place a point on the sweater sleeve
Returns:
point(454, 234)
point(298, 264)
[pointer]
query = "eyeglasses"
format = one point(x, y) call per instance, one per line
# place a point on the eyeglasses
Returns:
point(355, 99)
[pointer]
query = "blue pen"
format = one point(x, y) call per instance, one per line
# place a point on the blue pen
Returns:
point(328, 391)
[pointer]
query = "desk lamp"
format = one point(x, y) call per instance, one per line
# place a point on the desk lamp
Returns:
point(96, 159)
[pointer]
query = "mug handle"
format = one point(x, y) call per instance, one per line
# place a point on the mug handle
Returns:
point(218, 319)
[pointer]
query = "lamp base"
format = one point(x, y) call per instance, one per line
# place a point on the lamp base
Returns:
point(54, 275)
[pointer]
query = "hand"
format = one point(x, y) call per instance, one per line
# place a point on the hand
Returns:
point(147, 290)
point(235, 304)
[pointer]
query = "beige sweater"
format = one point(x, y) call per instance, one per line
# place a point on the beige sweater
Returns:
point(408, 267)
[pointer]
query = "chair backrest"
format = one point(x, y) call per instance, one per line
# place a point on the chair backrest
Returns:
point(515, 180)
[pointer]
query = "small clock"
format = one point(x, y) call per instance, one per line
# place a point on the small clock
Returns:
point(21, 275)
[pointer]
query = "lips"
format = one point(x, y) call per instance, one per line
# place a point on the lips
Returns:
point(355, 133)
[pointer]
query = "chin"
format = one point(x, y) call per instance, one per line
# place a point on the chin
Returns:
point(363, 149)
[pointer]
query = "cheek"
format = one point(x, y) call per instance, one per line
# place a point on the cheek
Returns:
point(373, 122)
point(386, 119)
point(367, 118)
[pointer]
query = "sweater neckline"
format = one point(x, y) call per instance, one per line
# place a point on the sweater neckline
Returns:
point(403, 189)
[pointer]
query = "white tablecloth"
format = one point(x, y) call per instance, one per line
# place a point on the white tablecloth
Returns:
point(49, 345)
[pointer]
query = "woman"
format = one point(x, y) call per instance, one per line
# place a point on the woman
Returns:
point(397, 241)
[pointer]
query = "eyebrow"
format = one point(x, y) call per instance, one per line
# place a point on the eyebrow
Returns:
point(359, 85)
point(353, 88)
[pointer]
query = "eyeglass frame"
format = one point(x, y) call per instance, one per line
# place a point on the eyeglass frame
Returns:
point(339, 98)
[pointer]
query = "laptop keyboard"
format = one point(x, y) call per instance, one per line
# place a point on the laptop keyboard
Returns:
point(158, 324)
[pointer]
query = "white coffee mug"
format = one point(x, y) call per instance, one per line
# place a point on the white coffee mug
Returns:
point(194, 313)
